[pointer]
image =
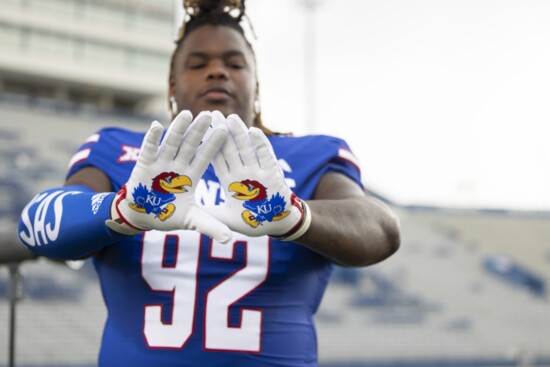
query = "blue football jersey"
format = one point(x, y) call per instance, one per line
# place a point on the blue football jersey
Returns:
point(181, 299)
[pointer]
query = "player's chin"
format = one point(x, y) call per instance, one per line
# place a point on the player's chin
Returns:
point(225, 108)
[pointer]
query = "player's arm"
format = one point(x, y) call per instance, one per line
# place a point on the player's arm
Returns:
point(92, 177)
point(348, 226)
point(67, 222)
point(75, 220)
point(341, 222)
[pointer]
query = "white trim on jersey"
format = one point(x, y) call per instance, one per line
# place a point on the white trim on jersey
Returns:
point(84, 153)
point(92, 139)
point(78, 156)
point(349, 156)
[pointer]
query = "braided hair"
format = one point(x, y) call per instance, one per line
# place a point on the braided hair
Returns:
point(227, 13)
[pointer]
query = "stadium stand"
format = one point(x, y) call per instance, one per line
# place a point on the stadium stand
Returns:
point(438, 304)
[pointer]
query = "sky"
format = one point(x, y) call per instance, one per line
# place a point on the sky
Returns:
point(444, 102)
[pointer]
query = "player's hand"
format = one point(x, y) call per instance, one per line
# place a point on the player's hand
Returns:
point(160, 193)
point(258, 199)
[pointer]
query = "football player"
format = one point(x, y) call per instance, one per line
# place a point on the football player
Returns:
point(215, 243)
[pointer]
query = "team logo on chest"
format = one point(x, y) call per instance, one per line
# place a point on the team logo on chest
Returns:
point(258, 207)
point(159, 199)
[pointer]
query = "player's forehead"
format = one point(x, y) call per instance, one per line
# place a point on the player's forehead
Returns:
point(215, 39)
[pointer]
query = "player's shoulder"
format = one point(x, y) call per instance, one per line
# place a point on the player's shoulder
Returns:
point(307, 138)
point(315, 147)
point(119, 133)
point(108, 144)
point(310, 142)
point(112, 137)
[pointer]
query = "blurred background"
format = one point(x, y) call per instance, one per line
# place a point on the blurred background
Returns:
point(445, 103)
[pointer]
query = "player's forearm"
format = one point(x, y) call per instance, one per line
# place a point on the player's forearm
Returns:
point(352, 232)
point(67, 222)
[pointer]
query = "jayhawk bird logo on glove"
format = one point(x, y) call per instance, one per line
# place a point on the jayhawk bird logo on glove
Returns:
point(259, 207)
point(159, 199)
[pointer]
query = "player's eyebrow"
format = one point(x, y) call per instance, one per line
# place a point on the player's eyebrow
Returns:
point(225, 54)
point(233, 53)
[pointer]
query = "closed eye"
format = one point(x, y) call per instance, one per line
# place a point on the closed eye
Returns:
point(235, 61)
point(195, 62)
point(196, 66)
point(236, 66)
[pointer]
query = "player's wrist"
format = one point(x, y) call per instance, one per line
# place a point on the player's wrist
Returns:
point(301, 227)
point(119, 222)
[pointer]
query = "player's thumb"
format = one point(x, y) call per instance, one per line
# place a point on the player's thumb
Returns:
point(203, 222)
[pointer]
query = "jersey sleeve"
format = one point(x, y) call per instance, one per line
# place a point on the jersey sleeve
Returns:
point(344, 161)
point(82, 158)
point(110, 151)
point(305, 160)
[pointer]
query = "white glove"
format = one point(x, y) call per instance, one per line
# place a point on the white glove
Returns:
point(258, 199)
point(160, 193)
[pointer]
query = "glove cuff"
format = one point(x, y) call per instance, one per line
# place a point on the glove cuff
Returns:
point(117, 222)
point(299, 229)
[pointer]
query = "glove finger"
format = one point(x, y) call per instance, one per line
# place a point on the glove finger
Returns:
point(230, 153)
point(220, 164)
point(208, 149)
point(150, 145)
point(239, 131)
point(266, 156)
point(210, 226)
point(217, 119)
point(193, 138)
point(174, 135)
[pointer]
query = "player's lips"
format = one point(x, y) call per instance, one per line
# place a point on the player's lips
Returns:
point(216, 94)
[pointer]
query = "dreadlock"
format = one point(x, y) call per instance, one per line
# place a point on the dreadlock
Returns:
point(227, 13)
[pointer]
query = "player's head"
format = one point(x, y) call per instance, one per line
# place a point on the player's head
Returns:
point(213, 66)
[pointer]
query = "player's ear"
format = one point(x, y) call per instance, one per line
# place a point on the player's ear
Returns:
point(257, 105)
point(172, 104)
point(171, 85)
point(172, 77)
